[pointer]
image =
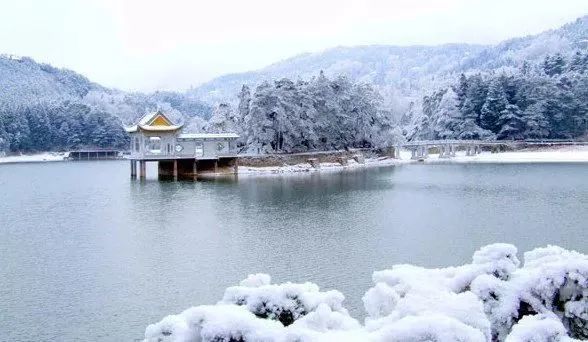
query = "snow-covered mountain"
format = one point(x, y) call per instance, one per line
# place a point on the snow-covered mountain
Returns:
point(41, 106)
point(406, 71)
point(24, 82)
point(45, 108)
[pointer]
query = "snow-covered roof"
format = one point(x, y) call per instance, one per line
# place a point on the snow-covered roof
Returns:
point(155, 122)
point(149, 117)
point(208, 136)
point(131, 129)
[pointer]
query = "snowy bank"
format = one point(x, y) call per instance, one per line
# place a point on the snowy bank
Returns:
point(494, 298)
point(562, 154)
point(324, 167)
point(33, 158)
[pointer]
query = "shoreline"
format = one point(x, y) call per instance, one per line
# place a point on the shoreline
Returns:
point(34, 158)
point(560, 154)
point(555, 154)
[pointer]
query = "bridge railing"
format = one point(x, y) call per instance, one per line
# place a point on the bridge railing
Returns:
point(491, 142)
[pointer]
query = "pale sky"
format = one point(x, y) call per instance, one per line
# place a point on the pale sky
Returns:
point(174, 44)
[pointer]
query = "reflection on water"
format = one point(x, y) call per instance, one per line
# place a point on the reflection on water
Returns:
point(88, 254)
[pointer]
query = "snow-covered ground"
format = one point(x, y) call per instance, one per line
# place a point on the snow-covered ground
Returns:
point(494, 298)
point(546, 155)
point(559, 154)
point(41, 157)
point(324, 167)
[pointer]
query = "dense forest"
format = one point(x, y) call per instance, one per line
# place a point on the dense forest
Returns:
point(43, 108)
point(319, 114)
point(548, 100)
point(62, 126)
point(532, 87)
point(541, 100)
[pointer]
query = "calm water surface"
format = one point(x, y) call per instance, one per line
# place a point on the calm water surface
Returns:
point(88, 255)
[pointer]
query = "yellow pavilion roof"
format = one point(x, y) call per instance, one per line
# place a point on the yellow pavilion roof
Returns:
point(154, 122)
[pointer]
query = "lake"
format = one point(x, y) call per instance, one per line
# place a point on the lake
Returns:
point(89, 255)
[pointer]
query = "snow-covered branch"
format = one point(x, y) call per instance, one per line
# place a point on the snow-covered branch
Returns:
point(493, 298)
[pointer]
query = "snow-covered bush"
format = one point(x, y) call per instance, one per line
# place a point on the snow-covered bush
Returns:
point(539, 328)
point(493, 298)
point(552, 280)
point(257, 310)
point(285, 302)
point(409, 291)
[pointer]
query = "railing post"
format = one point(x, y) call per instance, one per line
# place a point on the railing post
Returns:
point(443, 151)
point(397, 152)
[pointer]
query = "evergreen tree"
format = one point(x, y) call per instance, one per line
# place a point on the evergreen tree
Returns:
point(475, 99)
point(323, 114)
point(447, 116)
point(40, 130)
point(579, 63)
point(554, 65)
point(461, 91)
point(510, 123)
point(494, 105)
point(536, 125)
point(17, 128)
point(222, 120)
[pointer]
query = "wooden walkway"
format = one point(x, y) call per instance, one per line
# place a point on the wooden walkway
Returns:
point(97, 154)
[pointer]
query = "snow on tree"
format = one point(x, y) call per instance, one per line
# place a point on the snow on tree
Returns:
point(554, 65)
point(447, 116)
point(535, 122)
point(493, 298)
point(196, 124)
point(511, 123)
point(223, 119)
point(322, 114)
point(494, 105)
point(521, 104)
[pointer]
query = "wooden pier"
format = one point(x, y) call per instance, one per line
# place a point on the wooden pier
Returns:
point(93, 155)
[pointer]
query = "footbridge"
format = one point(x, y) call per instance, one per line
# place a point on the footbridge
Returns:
point(447, 148)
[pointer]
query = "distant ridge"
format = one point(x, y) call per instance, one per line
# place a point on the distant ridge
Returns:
point(405, 70)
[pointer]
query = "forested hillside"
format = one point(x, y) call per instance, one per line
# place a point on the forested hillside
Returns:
point(545, 100)
point(530, 87)
point(45, 108)
point(403, 74)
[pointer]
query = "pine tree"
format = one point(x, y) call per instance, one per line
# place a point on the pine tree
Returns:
point(461, 91)
point(17, 128)
point(40, 129)
point(554, 65)
point(579, 63)
point(495, 103)
point(475, 99)
point(535, 123)
point(447, 116)
point(222, 120)
point(510, 123)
